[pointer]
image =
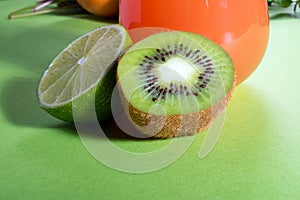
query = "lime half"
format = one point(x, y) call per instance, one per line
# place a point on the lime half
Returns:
point(84, 73)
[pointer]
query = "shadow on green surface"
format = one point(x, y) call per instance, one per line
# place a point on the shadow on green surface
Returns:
point(33, 47)
point(21, 107)
point(31, 50)
point(108, 129)
point(20, 104)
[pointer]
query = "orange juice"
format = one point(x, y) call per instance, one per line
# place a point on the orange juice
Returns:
point(241, 28)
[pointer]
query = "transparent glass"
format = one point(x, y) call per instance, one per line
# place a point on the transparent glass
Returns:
point(241, 28)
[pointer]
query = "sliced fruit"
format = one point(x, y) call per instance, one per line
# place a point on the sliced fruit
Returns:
point(84, 73)
point(175, 83)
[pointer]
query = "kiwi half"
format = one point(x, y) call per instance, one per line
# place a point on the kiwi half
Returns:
point(174, 83)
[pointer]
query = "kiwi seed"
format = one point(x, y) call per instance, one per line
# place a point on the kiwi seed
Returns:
point(190, 76)
point(163, 54)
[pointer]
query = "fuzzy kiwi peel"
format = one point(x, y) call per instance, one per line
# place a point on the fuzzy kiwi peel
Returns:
point(174, 83)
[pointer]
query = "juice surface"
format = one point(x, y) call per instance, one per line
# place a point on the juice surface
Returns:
point(242, 29)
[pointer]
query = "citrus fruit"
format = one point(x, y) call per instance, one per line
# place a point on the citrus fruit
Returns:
point(83, 75)
point(105, 8)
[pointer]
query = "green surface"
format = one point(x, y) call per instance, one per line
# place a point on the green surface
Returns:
point(257, 156)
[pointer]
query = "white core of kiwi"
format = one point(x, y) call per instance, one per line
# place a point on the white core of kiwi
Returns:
point(175, 69)
point(191, 76)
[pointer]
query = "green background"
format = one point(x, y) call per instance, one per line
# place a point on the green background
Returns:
point(256, 157)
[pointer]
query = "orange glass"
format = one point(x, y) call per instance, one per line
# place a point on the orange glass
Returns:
point(241, 28)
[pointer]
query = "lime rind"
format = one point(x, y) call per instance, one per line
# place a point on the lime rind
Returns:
point(83, 75)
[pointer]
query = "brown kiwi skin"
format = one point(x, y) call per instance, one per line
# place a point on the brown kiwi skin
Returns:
point(169, 126)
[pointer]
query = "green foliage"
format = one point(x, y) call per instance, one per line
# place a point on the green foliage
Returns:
point(285, 3)
point(282, 3)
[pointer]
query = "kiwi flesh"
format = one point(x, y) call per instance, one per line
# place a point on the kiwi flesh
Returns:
point(174, 83)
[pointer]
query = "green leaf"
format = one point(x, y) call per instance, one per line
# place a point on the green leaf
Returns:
point(283, 3)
